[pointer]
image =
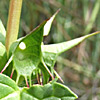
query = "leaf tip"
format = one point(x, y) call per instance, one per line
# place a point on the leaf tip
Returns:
point(48, 24)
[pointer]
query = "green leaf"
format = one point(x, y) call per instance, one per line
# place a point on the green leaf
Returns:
point(53, 91)
point(8, 89)
point(46, 30)
point(2, 33)
point(50, 52)
point(27, 55)
point(48, 24)
point(27, 59)
point(3, 56)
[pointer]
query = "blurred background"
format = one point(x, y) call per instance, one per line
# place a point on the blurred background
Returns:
point(80, 66)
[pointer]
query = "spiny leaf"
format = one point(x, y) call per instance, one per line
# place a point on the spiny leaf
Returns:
point(50, 52)
point(27, 55)
point(30, 55)
point(46, 30)
point(54, 91)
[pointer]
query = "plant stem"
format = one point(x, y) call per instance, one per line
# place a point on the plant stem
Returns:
point(27, 82)
point(13, 22)
point(12, 73)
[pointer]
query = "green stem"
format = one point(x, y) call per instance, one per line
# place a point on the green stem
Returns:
point(13, 22)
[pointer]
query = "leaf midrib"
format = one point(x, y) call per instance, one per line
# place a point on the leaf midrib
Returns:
point(9, 94)
point(7, 85)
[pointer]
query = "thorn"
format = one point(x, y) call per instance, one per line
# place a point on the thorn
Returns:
point(9, 61)
point(48, 70)
point(58, 76)
point(58, 10)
